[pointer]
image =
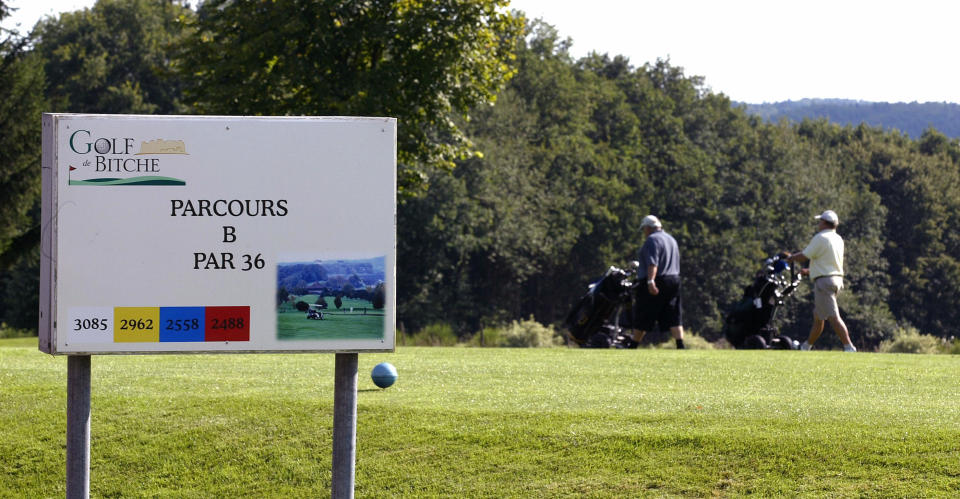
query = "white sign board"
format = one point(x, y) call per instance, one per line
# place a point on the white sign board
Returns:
point(217, 234)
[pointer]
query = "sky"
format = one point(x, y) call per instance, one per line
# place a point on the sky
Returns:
point(753, 51)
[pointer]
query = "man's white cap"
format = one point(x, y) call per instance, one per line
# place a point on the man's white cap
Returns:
point(650, 221)
point(828, 216)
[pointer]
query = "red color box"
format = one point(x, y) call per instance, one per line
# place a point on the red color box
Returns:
point(227, 324)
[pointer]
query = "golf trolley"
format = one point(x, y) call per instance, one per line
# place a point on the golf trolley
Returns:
point(315, 314)
point(589, 320)
point(749, 325)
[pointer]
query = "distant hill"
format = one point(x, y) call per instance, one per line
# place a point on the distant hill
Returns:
point(331, 273)
point(910, 118)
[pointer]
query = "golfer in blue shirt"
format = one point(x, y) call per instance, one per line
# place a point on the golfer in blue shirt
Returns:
point(658, 300)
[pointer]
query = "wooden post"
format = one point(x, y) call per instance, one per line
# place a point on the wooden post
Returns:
point(344, 426)
point(78, 426)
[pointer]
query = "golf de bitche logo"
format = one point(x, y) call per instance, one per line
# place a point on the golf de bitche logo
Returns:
point(119, 161)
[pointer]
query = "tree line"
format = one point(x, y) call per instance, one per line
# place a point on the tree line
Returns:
point(522, 172)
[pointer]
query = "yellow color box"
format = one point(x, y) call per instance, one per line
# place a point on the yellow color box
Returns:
point(136, 324)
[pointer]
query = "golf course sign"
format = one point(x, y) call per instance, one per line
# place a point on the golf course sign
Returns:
point(217, 234)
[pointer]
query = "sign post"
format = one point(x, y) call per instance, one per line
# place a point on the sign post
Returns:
point(214, 234)
point(344, 426)
point(78, 426)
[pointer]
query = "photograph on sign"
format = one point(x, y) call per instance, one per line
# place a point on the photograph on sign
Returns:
point(181, 233)
point(330, 298)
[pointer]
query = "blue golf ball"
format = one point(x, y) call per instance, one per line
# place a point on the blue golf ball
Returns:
point(384, 374)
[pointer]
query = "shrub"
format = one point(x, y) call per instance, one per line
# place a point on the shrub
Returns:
point(10, 332)
point(434, 335)
point(530, 333)
point(488, 337)
point(952, 346)
point(722, 344)
point(909, 340)
point(691, 341)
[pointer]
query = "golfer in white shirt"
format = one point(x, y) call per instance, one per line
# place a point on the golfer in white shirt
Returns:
point(825, 254)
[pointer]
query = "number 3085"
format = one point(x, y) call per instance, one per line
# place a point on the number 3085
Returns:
point(88, 324)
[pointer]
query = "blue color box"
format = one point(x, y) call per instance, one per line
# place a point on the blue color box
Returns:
point(182, 323)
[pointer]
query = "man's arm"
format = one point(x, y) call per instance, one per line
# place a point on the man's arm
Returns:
point(798, 256)
point(651, 275)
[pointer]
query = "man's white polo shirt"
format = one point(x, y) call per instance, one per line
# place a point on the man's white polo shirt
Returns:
point(825, 252)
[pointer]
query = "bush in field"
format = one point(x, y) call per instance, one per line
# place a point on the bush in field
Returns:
point(488, 337)
point(434, 335)
point(529, 333)
point(910, 340)
point(302, 306)
point(11, 332)
point(691, 341)
point(953, 346)
point(695, 342)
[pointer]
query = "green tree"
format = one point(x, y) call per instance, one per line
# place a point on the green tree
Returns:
point(338, 302)
point(421, 62)
point(355, 281)
point(578, 151)
point(488, 226)
point(21, 104)
point(114, 57)
point(379, 296)
point(935, 305)
point(919, 182)
point(19, 289)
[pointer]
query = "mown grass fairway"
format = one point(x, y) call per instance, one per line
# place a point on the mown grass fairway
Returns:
point(471, 422)
point(346, 322)
point(295, 326)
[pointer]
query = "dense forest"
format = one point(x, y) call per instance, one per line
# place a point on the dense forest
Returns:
point(911, 118)
point(523, 172)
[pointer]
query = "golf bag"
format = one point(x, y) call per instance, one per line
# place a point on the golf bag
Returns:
point(749, 325)
point(589, 319)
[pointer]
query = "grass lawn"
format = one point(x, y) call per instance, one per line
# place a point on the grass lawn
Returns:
point(355, 319)
point(474, 422)
point(295, 326)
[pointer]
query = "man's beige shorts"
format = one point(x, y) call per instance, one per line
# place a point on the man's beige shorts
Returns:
point(825, 291)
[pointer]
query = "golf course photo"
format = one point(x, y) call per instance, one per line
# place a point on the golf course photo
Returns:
point(496, 422)
point(332, 299)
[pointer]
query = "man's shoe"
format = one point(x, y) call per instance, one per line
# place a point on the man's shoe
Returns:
point(849, 348)
point(805, 346)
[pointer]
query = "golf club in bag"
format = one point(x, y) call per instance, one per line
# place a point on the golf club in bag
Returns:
point(589, 319)
point(749, 325)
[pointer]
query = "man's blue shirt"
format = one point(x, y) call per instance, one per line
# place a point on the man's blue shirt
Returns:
point(660, 249)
